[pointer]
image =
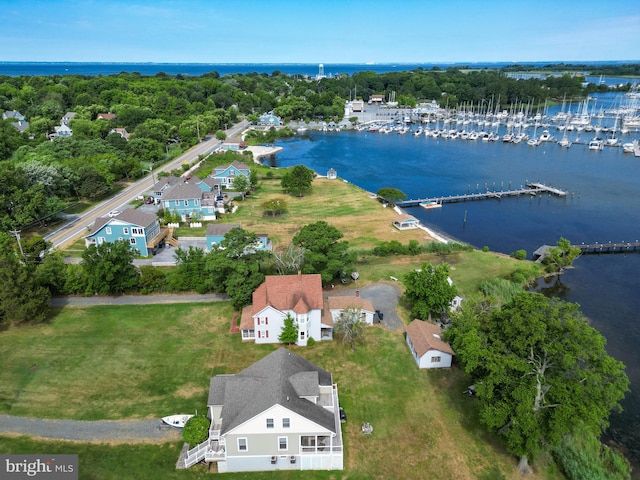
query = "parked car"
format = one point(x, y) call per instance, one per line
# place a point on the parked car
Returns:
point(343, 415)
point(379, 314)
point(114, 213)
point(149, 200)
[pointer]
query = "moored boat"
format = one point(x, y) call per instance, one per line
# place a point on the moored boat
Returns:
point(176, 421)
point(429, 205)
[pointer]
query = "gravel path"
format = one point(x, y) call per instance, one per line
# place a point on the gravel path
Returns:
point(135, 300)
point(112, 431)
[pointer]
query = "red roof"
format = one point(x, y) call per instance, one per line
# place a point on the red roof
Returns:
point(301, 293)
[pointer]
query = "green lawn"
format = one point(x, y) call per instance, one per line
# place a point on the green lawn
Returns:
point(118, 362)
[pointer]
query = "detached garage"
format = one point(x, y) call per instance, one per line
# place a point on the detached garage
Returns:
point(426, 345)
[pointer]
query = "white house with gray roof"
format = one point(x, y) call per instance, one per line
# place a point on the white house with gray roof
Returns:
point(281, 413)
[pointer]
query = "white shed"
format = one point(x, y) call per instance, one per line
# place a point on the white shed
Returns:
point(426, 345)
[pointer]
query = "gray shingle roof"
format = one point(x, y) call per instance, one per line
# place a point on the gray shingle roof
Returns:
point(281, 377)
point(136, 217)
point(182, 192)
point(217, 229)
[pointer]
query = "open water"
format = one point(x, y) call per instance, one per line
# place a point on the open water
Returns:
point(602, 205)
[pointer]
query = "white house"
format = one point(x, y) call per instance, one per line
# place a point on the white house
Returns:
point(335, 306)
point(281, 413)
point(426, 346)
point(298, 295)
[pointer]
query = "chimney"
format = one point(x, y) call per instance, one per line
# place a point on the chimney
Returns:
point(357, 293)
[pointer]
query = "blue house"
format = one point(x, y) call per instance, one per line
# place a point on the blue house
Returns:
point(216, 231)
point(234, 144)
point(164, 184)
point(215, 234)
point(141, 230)
point(226, 174)
point(190, 202)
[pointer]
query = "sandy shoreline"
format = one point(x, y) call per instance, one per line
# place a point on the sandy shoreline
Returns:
point(260, 151)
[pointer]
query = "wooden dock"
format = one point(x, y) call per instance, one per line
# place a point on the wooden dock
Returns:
point(592, 248)
point(610, 247)
point(531, 189)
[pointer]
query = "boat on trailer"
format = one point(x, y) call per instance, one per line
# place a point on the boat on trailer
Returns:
point(176, 421)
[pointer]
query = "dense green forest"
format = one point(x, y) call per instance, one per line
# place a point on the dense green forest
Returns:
point(165, 114)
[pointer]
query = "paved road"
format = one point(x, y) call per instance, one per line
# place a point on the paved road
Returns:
point(77, 226)
point(135, 299)
point(112, 431)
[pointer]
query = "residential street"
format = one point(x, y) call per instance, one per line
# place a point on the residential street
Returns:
point(77, 225)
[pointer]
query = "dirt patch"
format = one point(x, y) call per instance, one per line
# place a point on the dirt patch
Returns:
point(189, 391)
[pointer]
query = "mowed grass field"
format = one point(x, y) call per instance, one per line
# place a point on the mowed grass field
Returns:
point(116, 362)
point(363, 220)
point(119, 362)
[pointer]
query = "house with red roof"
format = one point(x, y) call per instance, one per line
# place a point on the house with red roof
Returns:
point(426, 345)
point(297, 295)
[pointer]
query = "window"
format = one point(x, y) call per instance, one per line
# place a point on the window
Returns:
point(136, 231)
point(177, 203)
point(100, 240)
point(125, 231)
point(301, 334)
point(269, 422)
point(282, 443)
point(186, 203)
point(286, 423)
point(242, 444)
point(248, 334)
point(132, 241)
point(435, 359)
point(108, 230)
point(195, 201)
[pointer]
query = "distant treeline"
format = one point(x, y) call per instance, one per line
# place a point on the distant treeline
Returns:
point(156, 117)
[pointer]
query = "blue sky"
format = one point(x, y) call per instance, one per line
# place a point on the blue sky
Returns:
point(325, 31)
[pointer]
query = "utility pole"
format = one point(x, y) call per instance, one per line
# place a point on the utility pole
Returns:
point(16, 233)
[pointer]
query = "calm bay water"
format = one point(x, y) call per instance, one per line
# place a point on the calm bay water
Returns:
point(13, 69)
point(602, 206)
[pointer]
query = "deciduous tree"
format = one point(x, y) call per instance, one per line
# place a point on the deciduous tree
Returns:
point(391, 195)
point(560, 257)
point(429, 290)
point(297, 180)
point(350, 326)
point(539, 368)
point(324, 252)
point(109, 268)
point(22, 299)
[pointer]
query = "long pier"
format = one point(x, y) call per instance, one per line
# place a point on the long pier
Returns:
point(592, 248)
point(531, 189)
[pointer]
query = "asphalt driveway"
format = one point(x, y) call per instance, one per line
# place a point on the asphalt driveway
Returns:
point(384, 296)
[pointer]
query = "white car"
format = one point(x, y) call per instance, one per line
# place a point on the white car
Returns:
point(114, 213)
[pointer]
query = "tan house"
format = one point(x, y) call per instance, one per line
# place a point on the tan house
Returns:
point(335, 306)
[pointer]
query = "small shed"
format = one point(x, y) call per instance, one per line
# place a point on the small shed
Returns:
point(406, 222)
point(426, 345)
point(332, 174)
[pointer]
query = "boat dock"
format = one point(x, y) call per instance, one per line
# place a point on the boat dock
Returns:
point(592, 248)
point(530, 189)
